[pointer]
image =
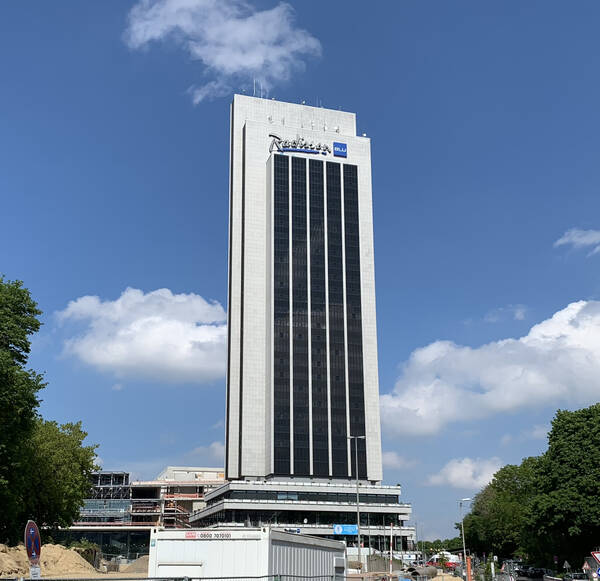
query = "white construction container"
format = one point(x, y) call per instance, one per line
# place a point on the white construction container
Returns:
point(243, 552)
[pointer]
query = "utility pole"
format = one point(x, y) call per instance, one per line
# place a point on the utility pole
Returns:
point(356, 438)
point(391, 544)
point(462, 526)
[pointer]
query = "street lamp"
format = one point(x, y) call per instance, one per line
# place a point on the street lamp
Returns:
point(462, 526)
point(356, 438)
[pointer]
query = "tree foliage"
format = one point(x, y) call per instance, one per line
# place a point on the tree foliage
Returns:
point(44, 468)
point(548, 505)
point(496, 519)
point(59, 475)
point(563, 516)
point(453, 544)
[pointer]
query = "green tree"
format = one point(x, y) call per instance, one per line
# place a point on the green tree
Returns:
point(59, 474)
point(495, 522)
point(18, 398)
point(44, 468)
point(563, 517)
point(548, 505)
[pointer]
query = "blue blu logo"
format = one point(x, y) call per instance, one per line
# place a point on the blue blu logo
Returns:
point(340, 149)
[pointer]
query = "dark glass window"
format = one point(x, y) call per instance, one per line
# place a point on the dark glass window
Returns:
point(300, 319)
point(336, 322)
point(281, 306)
point(354, 318)
point(320, 419)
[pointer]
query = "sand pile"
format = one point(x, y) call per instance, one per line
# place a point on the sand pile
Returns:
point(56, 560)
point(138, 566)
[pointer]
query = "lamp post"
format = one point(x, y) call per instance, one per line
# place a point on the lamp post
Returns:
point(356, 438)
point(462, 527)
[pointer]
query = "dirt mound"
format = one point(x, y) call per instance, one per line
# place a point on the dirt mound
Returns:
point(138, 566)
point(56, 560)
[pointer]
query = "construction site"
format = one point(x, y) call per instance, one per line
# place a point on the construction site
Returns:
point(121, 512)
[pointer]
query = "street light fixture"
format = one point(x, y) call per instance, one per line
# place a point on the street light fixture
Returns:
point(462, 526)
point(356, 438)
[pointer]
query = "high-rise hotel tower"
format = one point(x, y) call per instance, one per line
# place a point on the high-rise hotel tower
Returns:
point(302, 360)
point(302, 347)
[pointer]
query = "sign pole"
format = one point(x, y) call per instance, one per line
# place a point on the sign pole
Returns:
point(33, 546)
point(391, 544)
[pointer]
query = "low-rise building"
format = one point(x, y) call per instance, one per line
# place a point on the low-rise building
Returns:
point(324, 509)
point(120, 512)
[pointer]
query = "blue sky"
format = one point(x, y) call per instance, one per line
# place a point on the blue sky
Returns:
point(484, 122)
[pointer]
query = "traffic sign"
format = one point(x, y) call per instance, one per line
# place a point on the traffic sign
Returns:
point(596, 555)
point(586, 566)
point(345, 529)
point(33, 543)
point(598, 570)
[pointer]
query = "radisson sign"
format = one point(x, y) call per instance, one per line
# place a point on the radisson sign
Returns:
point(299, 144)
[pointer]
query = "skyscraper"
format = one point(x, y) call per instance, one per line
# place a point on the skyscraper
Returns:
point(302, 348)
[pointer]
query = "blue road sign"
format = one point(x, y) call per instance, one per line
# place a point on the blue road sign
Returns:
point(33, 542)
point(345, 529)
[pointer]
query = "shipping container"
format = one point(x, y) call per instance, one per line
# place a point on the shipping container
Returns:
point(243, 552)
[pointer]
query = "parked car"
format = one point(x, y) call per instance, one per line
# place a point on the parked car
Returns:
point(574, 575)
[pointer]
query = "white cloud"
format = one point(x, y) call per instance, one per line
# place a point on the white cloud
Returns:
point(160, 336)
point(516, 312)
point(577, 238)
point(557, 362)
point(214, 452)
point(394, 461)
point(117, 387)
point(234, 41)
point(536, 432)
point(466, 473)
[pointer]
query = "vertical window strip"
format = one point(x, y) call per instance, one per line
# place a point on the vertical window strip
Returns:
point(281, 319)
point(354, 315)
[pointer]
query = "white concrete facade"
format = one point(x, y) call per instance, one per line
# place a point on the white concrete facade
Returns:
point(249, 448)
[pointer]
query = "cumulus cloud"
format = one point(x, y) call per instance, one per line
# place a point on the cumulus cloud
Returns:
point(214, 452)
point(394, 461)
point(516, 312)
point(160, 336)
point(234, 41)
point(467, 473)
point(578, 239)
point(536, 432)
point(557, 362)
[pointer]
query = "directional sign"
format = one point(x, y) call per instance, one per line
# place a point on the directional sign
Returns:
point(345, 529)
point(33, 543)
